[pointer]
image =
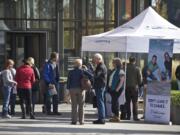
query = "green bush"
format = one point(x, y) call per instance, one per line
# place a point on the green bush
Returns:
point(174, 85)
point(175, 97)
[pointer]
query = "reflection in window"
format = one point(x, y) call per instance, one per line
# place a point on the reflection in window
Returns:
point(41, 9)
point(1, 9)
point(33, 9)
point(69, 39)
point(68, 6)
point(175, 11)
point(111, 10)
point(160, 6)
point(99, 9)
point(124, 11)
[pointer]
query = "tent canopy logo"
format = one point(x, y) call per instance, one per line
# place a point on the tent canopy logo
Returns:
point(103, 41)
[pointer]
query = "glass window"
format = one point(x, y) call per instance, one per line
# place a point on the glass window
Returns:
point(99, 9)
point(174, 11)
point(16, 24)
point(33, 9)
point(96, 9)
point(69, 39)
point(41, 9)
point(1, 9)
point(32, 24)
point(15, 8)
point(68, 6)
point(111, 10)
point(161, 7)
point(124, 11)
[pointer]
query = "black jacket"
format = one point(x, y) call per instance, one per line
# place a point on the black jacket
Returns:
point(100, 76)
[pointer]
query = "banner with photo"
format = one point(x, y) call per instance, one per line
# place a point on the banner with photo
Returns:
point(158, 75)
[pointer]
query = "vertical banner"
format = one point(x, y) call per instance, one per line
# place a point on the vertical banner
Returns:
point(158, 75)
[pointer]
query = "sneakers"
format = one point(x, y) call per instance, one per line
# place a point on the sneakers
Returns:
point(114, 119)
point(99, 122)
point(7, 116)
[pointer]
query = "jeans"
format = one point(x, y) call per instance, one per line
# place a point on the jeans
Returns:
point(12, 103)
point(54, 99)
point(100, 103)
point(6, 99)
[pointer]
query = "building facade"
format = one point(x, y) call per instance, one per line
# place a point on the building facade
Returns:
point(38, 27)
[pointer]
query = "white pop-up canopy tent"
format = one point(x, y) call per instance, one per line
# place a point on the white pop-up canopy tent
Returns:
point(134, 35)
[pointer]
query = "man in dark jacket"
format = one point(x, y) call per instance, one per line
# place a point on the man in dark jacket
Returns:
point(133, 80)
point(100, 79)
point(177, 73)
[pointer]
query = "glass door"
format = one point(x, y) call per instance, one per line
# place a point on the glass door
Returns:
point(23, 45)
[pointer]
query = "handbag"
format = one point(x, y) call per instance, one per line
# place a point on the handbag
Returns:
point(85, 83)
point(52, 90)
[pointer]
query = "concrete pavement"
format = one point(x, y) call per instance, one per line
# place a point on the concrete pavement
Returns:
point(55, 125)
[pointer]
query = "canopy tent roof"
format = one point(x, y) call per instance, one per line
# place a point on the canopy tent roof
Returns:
point(134, 35)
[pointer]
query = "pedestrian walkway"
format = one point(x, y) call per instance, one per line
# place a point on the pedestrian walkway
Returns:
point(60, 125)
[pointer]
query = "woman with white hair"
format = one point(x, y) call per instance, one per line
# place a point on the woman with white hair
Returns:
point(35, 86)
point(100, 79)
point(76, 93)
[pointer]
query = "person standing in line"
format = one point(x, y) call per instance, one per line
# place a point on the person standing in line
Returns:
point(122, 98)
point(100, 80)
point(8, 84)
point(25, 78)
point(43, 86)
point(116, 87)
point(13, 94)
point(35, 86)
point(76, 93)
point(177, 74)
point(133, 80)
point(51, 78)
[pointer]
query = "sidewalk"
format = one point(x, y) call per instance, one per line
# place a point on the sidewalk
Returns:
point(54, 125)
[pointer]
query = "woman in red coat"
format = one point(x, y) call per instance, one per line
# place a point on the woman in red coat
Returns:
point(25, 78)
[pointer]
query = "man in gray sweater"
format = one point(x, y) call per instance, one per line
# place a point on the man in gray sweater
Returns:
point(133, 80)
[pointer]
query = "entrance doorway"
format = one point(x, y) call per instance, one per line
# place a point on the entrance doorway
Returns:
point(21, 45)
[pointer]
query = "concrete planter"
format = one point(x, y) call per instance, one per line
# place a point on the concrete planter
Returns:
point(175, 114)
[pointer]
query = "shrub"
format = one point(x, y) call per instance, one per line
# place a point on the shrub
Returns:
point(174, 85)
point(175, 97)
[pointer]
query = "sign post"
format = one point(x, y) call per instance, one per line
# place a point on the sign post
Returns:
point(158, 73)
